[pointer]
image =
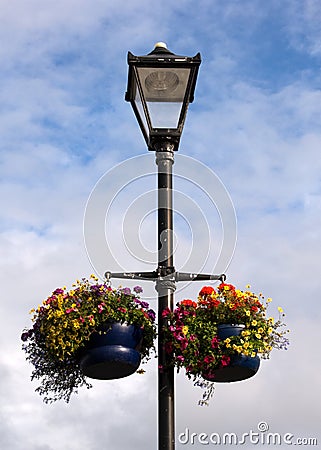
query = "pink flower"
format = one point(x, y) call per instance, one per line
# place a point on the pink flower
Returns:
point(101, 307)
point(184, 344)
point(165, 312)
point(225, 360)
point(209, 359)
point(214, 342)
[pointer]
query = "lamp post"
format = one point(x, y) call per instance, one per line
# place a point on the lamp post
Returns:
point(160, 87)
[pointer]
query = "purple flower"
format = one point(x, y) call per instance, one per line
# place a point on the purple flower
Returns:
point(126, 291)
point(25, 336)
point(58, 291)
point(144, 305)
point(137, 289)
point(151, 314)
point(96, 288)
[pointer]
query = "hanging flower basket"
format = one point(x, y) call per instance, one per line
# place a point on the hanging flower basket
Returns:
point(221, 337)
point(91, 331)
point(112, 352)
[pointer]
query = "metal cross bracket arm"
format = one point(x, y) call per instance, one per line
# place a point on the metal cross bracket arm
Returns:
point(157, 276)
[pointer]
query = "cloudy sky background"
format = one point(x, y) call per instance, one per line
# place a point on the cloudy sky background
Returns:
point(255, 123)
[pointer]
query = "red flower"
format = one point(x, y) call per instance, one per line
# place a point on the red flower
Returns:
point(215, 302)
point(189, 303)
point(206, 290)
point(229, 286)
point(234, 306)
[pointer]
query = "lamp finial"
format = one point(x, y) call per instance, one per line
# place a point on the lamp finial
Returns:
point(160, 44)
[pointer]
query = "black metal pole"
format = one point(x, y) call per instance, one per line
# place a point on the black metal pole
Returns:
point(166, 278)
point(165, 286)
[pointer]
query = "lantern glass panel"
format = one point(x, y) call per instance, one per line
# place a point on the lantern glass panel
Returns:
point(164, 91)
point(140, 109)
point(164, 115)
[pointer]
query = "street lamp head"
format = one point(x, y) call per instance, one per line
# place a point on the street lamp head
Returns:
point(160, 87)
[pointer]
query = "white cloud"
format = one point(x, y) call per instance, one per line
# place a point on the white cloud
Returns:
point(64, 123)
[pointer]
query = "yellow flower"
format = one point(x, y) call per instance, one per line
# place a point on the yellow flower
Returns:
point(271, 320)
point(258, 335)
point(248, 286)
point(254, 323)
point(246, 344)
point(253, 354)
point(227, 340)
point(260, 330)
point(185, 329)
point(270, 329)
point(76, 324)
point(280, 309)
point(246, 333)
point(268, 300)
point(247, 313)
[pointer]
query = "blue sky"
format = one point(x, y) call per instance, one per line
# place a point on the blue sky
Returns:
point(255, 123)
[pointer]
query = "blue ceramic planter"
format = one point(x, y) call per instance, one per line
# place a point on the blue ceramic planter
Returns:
point(241, 367)
point(112, 354)
point(226, 330)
